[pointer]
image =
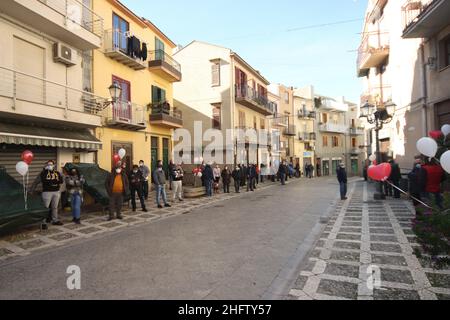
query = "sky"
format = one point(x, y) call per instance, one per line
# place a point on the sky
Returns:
point(273, 36)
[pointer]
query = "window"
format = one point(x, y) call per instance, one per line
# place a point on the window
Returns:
point(286, 97)
point(255, 126)
point(325, 141)
point(335, 141)
point(444, 48)
point(158, 95)
point(241, 77)
point(215, 74)
point(159, 49)
point(120, 30)
point(263, 123)
point(353, 142)
point(353, 123)
point(122, 108)
point(241, 119)
point(216, 117)
point(324, 118)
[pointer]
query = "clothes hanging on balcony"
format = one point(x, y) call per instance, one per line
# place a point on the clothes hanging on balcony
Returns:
point(144, 52)
point(134, 47)
point(130, 46)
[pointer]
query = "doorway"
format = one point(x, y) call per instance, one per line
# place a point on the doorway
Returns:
point(128, 146)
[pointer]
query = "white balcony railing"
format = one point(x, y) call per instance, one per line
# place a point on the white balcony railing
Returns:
point(126, 114)
point(332, 127)
point(78, 14)
point(20, 86)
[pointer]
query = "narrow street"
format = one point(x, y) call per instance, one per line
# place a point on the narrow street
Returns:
point(233, 249)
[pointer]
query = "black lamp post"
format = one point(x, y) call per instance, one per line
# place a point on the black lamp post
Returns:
point(378, 116)
point(115, 92)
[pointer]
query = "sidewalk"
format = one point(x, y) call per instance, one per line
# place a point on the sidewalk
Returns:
point(365, 236)
point(29, 240)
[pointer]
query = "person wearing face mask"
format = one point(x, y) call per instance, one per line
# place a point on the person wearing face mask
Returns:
point(51, 181)
point(117, 186)
point(74, 185)
point(159, 179)
point(146, 174)
point(136, 182)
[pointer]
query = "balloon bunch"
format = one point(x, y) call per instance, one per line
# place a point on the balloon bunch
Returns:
point(429, 147)
point(22, 167)
point(119, 156)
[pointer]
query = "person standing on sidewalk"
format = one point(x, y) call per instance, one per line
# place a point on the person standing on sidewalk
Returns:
point(136, 187)
point(146, 174)
point(118, 188)
point(435, 176)
point(74, 185)
point(395, 177)
point(159, 180)
point(342, 178)
point(171, 169)
point(177, 182)
point(226, 179)
point(251, 174)
point(282, 173)
point(237, 179)
point(417, 181)
point(208, 176)
point(51, 181)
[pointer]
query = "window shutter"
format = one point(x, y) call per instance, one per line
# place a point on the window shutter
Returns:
point(215, 74)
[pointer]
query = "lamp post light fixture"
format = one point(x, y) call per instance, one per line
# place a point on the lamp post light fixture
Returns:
point(378, 116)
point(115, 92)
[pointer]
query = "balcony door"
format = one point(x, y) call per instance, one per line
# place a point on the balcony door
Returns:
point(122, 108)
point(158, 95)
point(120, 32)
point(159, 49)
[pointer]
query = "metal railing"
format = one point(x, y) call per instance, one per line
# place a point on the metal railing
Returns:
point(77, 13)
point(249, 93)
point(161, 55)
point(332, 127)
point(165, 109)
point(306, 114)
point(356, 131)
point(412, 10)
point(377, 95)
point(126, 112)
point(290, 130)
point(371, 43)
point(307, 136)
point(20, 86)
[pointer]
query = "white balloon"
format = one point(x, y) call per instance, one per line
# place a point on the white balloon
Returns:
point(445, 161)
point(373, 158)
point(22, 168)
point(122, 153)
point(446, 129)
point(427, 146)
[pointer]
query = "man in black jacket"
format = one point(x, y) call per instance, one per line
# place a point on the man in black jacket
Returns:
point(282, 172)
point(342, 178)
point(251, 176)
point(136, 180)
point(395, 178)
point(51, 181)
point(117, 187)
point(417, 181)
point(208, 176)
point(237, 179)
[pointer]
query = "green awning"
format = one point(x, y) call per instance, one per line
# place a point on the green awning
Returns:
point(49, 137)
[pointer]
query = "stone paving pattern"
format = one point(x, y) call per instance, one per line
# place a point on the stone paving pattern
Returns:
point(362, 233)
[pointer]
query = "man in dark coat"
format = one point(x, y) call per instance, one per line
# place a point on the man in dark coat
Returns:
point(117, 187)
point(417, 181)
point(208, 177)
point(251, 176)
point(136, 179)
point(342, 178)
point(237, 178)
point(395, 178)
point(282, 172)
point(226, 179)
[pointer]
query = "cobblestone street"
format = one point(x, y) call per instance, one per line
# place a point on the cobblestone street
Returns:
point(363, 233)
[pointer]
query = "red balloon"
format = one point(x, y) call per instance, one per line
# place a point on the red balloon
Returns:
point(435, 134)
point(380, 172)
point(27, 157)
point(116, 158)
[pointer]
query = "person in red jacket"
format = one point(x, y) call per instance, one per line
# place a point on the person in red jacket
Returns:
point(434, 177)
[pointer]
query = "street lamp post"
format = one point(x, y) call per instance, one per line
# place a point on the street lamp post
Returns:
point(378, 116)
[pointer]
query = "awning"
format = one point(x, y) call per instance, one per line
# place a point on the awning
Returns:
point(49, 137)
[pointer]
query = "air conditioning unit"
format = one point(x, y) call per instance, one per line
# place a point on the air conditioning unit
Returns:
point(64, 54)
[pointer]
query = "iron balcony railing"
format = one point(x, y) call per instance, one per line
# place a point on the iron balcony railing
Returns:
point(333, 127)
point(356, 131)
point(77, 13)
point(412, 10)
point(20, 86)
point(164, 109)
point(249, 93)
point(125, 112)
point(372, 43)
point(306, 114)
point(160, 55)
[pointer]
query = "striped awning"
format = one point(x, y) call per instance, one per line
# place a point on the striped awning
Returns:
point(48, 137)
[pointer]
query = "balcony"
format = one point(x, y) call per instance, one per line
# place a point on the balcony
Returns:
point(290, 131)
point(356, 131)
point(333, 128)
point(25, 97)
point(355, 151)
point(69, 21)
point(115, 46)
point(308, 115)
point(164, 66)
point(126, 116)
point(307, 137)
point(161, 115)
point(423, 19)
point(330, 104)
point(279, 120)
point(377, 96)
point(247, 96)
point(373, 52)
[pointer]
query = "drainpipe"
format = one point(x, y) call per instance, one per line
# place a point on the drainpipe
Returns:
point(424, 90)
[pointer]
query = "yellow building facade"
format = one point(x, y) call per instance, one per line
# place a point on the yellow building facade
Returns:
point(136, 55)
